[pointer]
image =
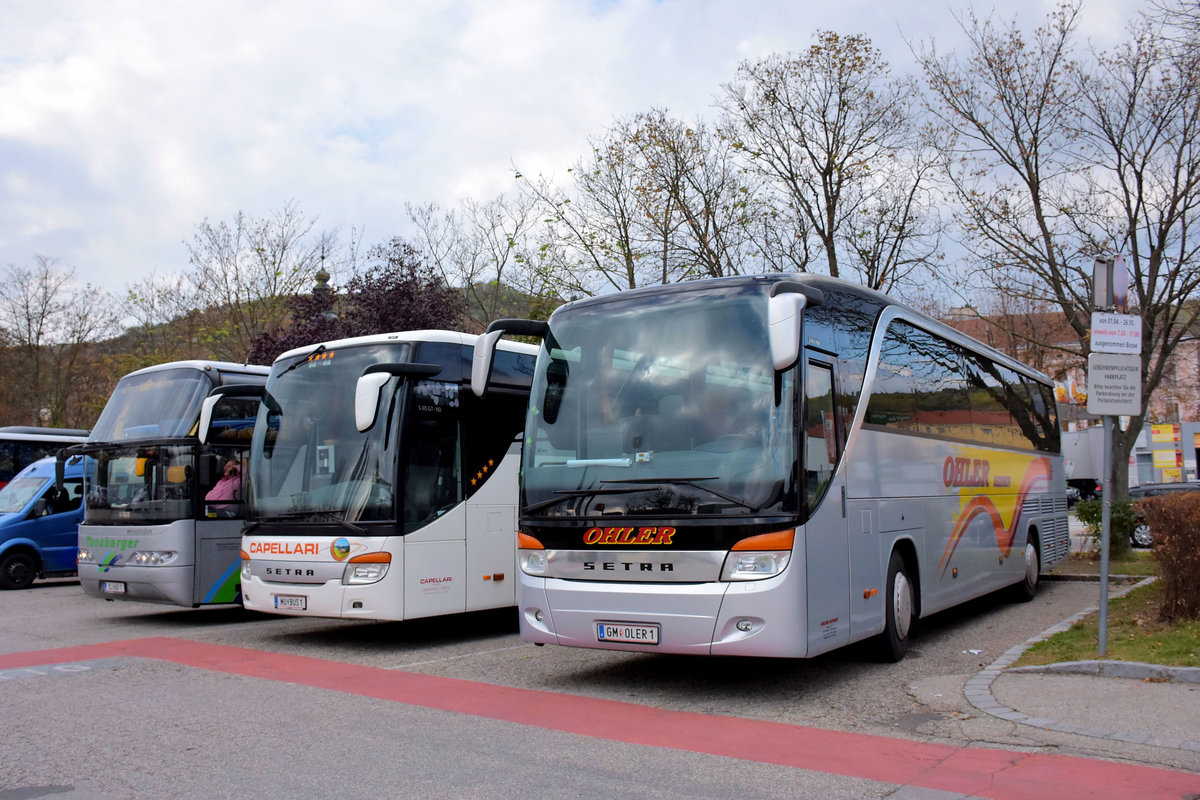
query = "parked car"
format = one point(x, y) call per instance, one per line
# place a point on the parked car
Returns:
point(1141, 536)
point(1073, 496)
point(39, 526)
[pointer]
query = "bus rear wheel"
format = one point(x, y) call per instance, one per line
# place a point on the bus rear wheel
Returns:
point(898, 623)
point(1024, 591)
point(17, 571)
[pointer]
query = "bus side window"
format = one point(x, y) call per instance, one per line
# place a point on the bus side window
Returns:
point(820, 431)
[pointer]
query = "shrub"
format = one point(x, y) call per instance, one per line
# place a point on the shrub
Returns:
point(1174, 521)
point(1120, 526)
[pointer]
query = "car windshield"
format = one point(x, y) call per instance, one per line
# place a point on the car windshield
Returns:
point(665, 405)
point(17, 493)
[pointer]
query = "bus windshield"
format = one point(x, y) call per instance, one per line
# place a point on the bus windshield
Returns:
point(667, 406)
point(154, 405)
point(308, 459)
point(142, 484)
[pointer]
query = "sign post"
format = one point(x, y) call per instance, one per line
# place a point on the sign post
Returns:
point(1114, 386)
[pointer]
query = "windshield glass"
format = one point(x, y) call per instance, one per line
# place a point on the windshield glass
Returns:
point(307, 458)
point(154, 405)
point(664, 405)
point(17, 493)
point(142, 484)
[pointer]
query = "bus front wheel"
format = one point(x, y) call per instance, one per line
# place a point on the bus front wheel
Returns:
point(898, 625)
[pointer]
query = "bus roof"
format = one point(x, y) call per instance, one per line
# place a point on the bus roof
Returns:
point(825, 284)
point(30, 433)
point(222, 366)
point(448, 337)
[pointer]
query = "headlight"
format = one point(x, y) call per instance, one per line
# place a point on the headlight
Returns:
point(754, 566)
point(85, 556)
point(531, 555)
point(367, 568)
point(533, 562)
point(358, 574)
point(758, 557)
point(152, 558)
point(245, 570)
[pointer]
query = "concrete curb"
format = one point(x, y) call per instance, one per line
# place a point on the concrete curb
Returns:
point(978, 690)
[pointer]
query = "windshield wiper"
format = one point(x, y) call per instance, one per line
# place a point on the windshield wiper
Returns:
point(565, 494)
point(306, 516)
point(692, 482)
point(303, 360)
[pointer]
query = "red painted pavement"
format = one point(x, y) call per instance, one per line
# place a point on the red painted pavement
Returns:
point(990, 773)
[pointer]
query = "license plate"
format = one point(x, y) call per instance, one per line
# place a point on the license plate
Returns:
point(294, 602)
point(625, 632)
point(112, 587)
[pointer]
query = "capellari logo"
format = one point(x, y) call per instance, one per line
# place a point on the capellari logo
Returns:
point(340, 549)
point(109, 561)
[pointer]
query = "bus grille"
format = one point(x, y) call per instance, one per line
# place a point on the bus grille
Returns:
point(1054, 528)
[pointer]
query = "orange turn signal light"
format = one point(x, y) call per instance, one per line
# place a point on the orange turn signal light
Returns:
point(372, 558)
point(527, 542)
point(780, 540)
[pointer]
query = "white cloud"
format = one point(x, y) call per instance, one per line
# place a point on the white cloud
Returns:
point(123, 124)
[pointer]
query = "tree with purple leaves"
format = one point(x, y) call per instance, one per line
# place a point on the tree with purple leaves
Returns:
point(397, 292)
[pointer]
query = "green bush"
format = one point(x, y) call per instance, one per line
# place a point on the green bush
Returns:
point(1120, 525)
point(1174, 521)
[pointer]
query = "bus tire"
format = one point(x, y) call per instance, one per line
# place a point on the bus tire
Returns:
point(1024, 591)
point(17, 570)
point(899, 607)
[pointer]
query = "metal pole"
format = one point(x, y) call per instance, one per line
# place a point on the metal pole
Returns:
point(1105, 525)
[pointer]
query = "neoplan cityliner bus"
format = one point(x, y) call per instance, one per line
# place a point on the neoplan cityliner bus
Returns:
point(148, 532)
point(380, 489)
point(773, 466)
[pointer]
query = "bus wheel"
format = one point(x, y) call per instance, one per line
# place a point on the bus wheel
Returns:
point(1024, 591)
point(898, 624)
point(17, 571)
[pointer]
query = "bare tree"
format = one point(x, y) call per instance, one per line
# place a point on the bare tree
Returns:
point(168, 323)
point(489, 251)
point(594, 232)
point(51, 324)
point(837, 136)
point(242, 273)
point(699, 203)
point(1058, 162)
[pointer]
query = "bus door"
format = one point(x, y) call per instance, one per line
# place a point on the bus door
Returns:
point(434, 517)
point(826, 547)
point(222, 488)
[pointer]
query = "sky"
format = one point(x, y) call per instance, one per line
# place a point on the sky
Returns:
point(123, 125)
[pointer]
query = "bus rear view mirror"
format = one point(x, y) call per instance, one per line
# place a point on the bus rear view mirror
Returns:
point(481, 361)
point(366, 391)
point(783, 328)
point(485, 347)
point(207, 408)
point(784, 307)
point(366, 399)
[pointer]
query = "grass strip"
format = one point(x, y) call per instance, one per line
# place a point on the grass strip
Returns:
point(1135, 633)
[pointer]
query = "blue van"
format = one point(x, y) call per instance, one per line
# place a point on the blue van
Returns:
point(39, 526)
